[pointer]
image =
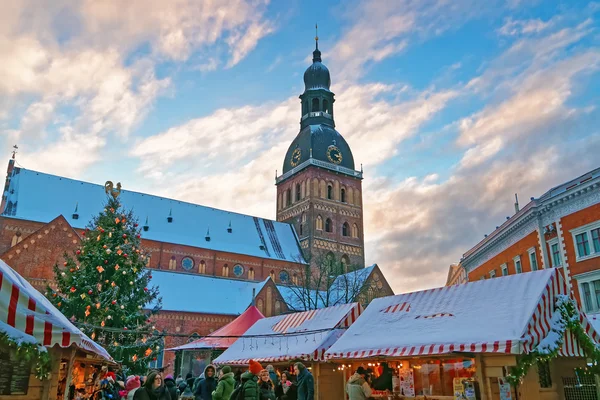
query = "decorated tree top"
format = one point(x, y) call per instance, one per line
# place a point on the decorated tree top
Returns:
point(104, 287)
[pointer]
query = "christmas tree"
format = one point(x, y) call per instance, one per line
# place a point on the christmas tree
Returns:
point(104, 288)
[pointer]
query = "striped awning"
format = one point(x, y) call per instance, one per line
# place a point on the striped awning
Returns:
point(300, 336)
point(26, 310)
point(510, 315)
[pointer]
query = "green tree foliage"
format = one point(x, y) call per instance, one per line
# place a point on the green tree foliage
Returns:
point(104, 288)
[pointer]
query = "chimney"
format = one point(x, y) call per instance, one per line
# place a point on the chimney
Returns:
point(253, 296)
point(516, 204)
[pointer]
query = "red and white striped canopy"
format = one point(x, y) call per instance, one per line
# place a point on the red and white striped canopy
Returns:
point(299, 336)
point(510, 314)
point(26, 310)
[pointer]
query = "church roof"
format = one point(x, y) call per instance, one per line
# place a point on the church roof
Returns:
point(41, 197)
point(219, 295)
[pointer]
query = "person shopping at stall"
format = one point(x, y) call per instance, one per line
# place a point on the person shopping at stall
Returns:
point(286, 389)
point(265, 386)
point(357, 387)
point(306, 382)
point(225, 386)
point(153, 388)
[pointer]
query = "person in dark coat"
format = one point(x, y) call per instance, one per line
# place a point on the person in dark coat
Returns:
point(189, 380)
point(153, 388)
point(384, 382)
point(265, 385)
point(171, 387)
point(306, 382)
point(286, 389)
point(207, 385)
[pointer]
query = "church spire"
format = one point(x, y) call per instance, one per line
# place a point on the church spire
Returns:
point(316, 53)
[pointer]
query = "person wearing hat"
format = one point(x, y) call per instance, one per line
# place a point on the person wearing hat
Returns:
point(131, 385)
point(225, 386)
point(305, 382)
point(357, 387)
point(171, 387)
point(248, 389)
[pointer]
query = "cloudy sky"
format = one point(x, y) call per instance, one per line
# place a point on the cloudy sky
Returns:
point(451, 106)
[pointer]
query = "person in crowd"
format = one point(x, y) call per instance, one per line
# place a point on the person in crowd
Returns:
point(305, 382)
point(171, 387)
point(286, 389)
point(357, 386)
point(206, 385)
point(384, 381)
point(248, 388)
point(237, 377)
point(189, 380)
point(265, 385)
point(153, 388)
point(131, 385)
point(225, 386)
point(181, 384)
point(273, 375)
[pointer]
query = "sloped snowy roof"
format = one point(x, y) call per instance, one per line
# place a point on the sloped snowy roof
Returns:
point(204, 294)
point(218, 339)
point(509, 315)
point(307, 336)
point(26, 315)
point(42, 197)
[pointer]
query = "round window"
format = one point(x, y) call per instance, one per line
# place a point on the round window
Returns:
point(284, 276)
point(238, 270)
point(187, 263)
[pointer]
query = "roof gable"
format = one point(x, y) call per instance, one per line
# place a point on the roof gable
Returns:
point(41, 197)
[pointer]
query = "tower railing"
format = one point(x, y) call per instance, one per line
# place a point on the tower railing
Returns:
point(320, 164)
point(316, 114)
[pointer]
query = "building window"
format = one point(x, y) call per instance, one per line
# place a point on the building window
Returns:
point(587, 241)
point(172, 263)
point(533, 259)
point(329, 192)
point(202, 267)
point(238, 270)
point(493, 273)
point(159, 355)
point(504, 268)
point(301, 233)
point(345, 263)
point(354, 230)
point(295, 279)
point(272, 275)
point(315, 105)
point(555, 257)
point(251, 274)
point(328, 225)
point(298, 193)
point(225, 270)
point(587, 297)
point(343, 195)
point(17, 238)
point(277, 307)
point(288, 197)
point(187, 263)
point(518, 267)
point(345, 229)
point(544, 374)
point(284, 277)
point(326, 106)
point(194, 336)
point(319, 224)
point(261, 306)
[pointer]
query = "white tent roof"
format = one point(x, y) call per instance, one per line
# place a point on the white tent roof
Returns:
point(305, 336)
point(510, 314)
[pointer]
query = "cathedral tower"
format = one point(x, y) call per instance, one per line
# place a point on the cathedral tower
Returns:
point(319, 191)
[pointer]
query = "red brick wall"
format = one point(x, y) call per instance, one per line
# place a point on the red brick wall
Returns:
point(518, 249)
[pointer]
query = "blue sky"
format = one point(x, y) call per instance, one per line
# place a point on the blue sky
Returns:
point(452, 107)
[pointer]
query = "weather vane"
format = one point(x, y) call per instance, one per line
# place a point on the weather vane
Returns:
point(15, 147)
point(317, 34)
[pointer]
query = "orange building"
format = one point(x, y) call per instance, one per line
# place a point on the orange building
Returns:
point(560, 229)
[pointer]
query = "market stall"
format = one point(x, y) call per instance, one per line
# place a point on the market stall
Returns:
point(199, 353)
point(35, 338)
point(477, 337)
point(304, 336)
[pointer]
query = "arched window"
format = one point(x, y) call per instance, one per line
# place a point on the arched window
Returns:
point(261, 306)
point(345, 263)
point(272, 275)
point(319, 223)
point(345, 229)
point(288, 200)
point(17, 238)
point(357, 197)
point(148, 261)
point(225, 270)
point(277, 307)
point(305, 107)
point(298, 192)
point(202, 267)
point(343, 195)
point(172, 263)
point(194, 336)
point(251, 274)
point(328, 225)
point(329, 192)
point(326, 106)
point(301, 230)
point(295, 279)
point(303, 218)
point(354, 231)
point(315, 105)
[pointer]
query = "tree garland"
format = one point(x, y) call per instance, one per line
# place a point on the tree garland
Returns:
point(566, 317)
point(31, 353)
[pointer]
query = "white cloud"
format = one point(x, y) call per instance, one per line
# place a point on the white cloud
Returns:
point(523, 27)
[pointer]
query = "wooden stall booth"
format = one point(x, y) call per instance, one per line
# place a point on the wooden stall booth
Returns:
point(472, 341)
point(37, 342)
point(285, 339)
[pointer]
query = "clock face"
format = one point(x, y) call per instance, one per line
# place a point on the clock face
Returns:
point(334, 154)
point(296, 157)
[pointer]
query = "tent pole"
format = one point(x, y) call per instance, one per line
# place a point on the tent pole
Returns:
point(69, 373)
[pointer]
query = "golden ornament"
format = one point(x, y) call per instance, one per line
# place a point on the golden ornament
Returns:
point(98, 238)
point(82, 296)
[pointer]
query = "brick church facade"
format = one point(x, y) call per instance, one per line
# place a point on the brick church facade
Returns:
point(235, 258)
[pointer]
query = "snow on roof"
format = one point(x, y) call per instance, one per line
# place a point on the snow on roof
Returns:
point(297, 298)
point(218, 339)
point(493, 315)
point(204, 294)
point(42, 197)
point(23, 309)
point(307, 336)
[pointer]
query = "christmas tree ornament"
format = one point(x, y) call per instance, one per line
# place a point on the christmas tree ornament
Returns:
point(113, 302)
point(82, 295)
point(73, 290)
point(78, 252)
point(87, 313)
point(71, 270)
point(109, 234)
point(135, 270)
point(148, 352)
point(145, 289)
point(122, 307)
point(117, 220)
point(113, 284)
point(124, 236)
point(101, 230)
point(98, 306)
point(117, 267)
point(104, 247)
point(106, 281)
point(90, 291)
point(102, 324)
point(65, 264)
point(53, 294)
point(124, 273)
point(125, 255)
point(135, 225)
point(98, 238)
point(139, 236)
point(108, 251)
point(105, 261)
point(131, 282)
point(63, 274)
point(99, 287)
point(100, 269)
point(134, 358)
point(109, 317)
point(93, 335)
point(59, 303)
point(119, 252)
point(112, 210)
